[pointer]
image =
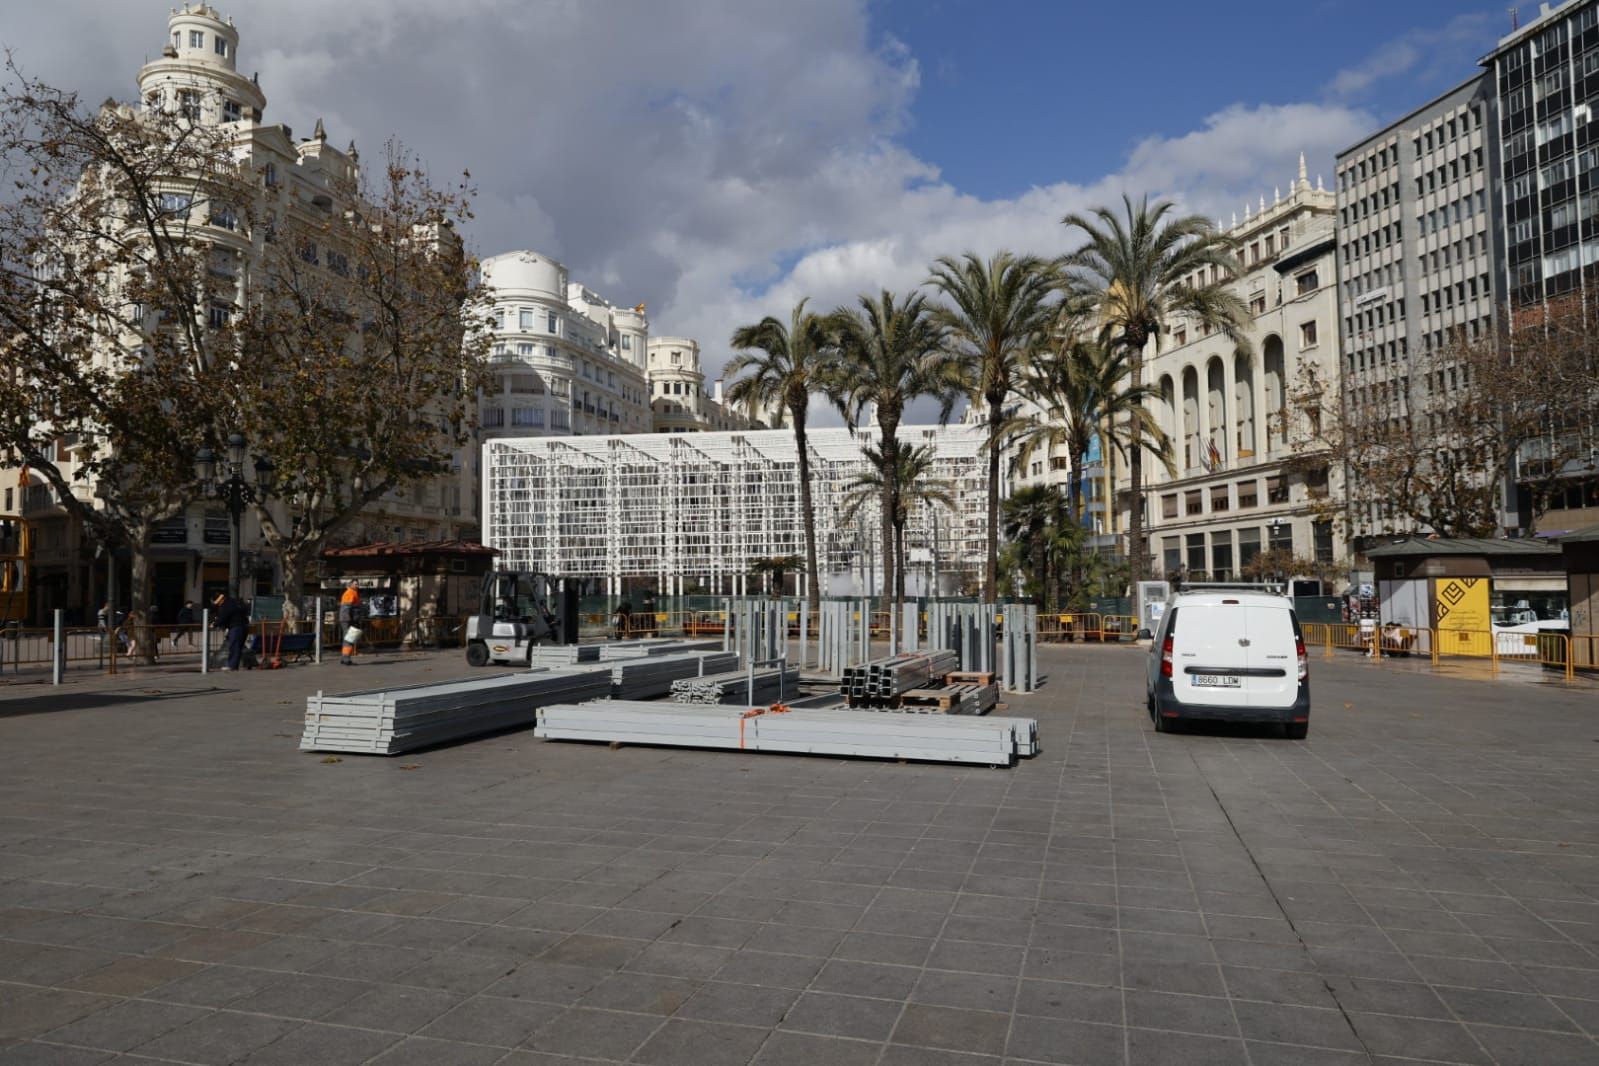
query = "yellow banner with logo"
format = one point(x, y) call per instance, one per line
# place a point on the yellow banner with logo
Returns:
point(1465, 622)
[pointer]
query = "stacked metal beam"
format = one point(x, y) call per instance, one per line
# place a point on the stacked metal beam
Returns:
point(648, 676)
point(881, 681)
point(390, 721)
point(647, 646)
point(771, 684)
point(563, 654)
point(990, 741)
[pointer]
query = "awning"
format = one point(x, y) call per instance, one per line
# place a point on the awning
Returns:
point(1529, 584)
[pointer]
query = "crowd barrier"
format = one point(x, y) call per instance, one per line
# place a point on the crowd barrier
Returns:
point(1550, 649)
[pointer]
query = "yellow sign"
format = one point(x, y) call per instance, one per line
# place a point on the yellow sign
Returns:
point(1465, 623)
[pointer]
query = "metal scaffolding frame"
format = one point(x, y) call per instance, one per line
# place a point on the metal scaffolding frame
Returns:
point(703, 508)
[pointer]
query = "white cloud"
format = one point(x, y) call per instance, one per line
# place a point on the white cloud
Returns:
point(718, 160)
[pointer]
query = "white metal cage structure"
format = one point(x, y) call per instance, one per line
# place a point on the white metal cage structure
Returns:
point(699, 510)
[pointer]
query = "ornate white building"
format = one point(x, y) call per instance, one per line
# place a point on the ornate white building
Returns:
point(197, 74)
point(1248, 475)
point(679, 400)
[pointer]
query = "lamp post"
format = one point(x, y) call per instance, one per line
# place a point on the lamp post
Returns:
point(234, 489)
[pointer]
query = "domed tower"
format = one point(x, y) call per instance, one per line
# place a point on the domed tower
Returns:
point(197, 72)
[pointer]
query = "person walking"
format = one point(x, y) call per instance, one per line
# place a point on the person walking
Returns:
point(623, 621)
point(350, 618)
point(180, 628)
point(233, 616)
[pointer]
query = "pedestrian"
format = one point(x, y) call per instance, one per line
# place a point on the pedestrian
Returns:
point(181, 629)
point(623, 620)
point(102, 619)
point(350, 619)
point(233, 616)
point(130, 632)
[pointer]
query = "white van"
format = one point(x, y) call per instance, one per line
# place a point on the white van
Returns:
point(1236, 656)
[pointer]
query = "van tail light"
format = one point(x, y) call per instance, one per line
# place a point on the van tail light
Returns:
point(1304, 660)
point(1165, 658)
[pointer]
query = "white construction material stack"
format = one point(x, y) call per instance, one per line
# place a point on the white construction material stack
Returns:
point(772, 683)
point(647, 646)
point(563, 654)
point(988, 741)
point(390, 721)
point(652, 675)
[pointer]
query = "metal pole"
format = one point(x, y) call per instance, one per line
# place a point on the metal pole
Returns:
point(58, 650)
point(805, 632)
point(316, 641)
point(205, 640)
point(236, 509)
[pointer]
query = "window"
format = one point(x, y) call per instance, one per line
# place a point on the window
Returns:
point(189, 104)
point(1276, 490)
point(1219, 498)
point(339, 263)
point(1280, 537)
point(1180, 337)
point(1257, 304)
point(493, 417)
point(308, 252)
point(1307, 334)
point(224, 216)
point(231, 112)
point(1322, 536)
point(627, 343)
point(175, 203)
point(1196, 553)
point(219, 45)
point(1305, 283)
point(1247, 493)
point(1221, 555)
point(1193, 502)
point(196, 39)
point(1168, 505)
point(1248, 545)
point(550, 320)
point(527, 416)
point(559, 419)
point(1316, 482)
point(269, 174)
point(525, 319)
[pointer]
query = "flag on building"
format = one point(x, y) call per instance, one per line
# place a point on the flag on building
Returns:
point(1215, 455)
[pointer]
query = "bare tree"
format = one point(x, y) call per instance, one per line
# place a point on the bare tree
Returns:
point(111, 361)
point(359, 359)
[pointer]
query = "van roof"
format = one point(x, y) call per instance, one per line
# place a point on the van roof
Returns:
point(1212, 599)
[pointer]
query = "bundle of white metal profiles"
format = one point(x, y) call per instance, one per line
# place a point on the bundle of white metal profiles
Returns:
point(885, 678)
point(650, 676)
point(987, 741)
point(562, 654)
point(644, 646)
point(389, 721)
point(771, 683)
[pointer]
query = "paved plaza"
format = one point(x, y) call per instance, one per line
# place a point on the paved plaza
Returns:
point(1418, 882)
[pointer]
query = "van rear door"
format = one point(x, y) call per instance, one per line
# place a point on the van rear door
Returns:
point(1273, 680)
point(1210, 658)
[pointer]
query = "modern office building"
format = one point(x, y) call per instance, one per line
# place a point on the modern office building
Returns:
point(1248, 475)
point(1418, 247)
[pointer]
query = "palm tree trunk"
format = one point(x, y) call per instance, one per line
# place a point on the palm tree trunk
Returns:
point(1135, 470)
point(1074, 504)
point(813, 587)
point(991, 563)
point(899, 572)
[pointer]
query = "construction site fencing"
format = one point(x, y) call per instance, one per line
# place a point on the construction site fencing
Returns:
point(1550, 649)
point(1064, 627)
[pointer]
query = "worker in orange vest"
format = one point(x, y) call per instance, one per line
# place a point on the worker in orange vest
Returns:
point(350, 621)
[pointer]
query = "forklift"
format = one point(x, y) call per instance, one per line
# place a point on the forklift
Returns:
point(519, 610)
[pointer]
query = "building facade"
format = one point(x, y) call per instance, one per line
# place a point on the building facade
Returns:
point(564, 361)
point(1248, 476)
point(196, 75)
point(1418, 248)
point(679, 400)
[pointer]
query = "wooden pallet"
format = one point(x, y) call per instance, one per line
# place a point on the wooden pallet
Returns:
point(968, 677)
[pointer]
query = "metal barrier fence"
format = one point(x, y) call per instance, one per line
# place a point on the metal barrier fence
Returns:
point(1549, 649)
point(1066, 626)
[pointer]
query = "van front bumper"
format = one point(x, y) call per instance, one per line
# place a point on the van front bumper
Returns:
point(1167, 705)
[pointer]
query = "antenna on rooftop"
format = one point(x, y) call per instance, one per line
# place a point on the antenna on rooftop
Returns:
point(1515, 18)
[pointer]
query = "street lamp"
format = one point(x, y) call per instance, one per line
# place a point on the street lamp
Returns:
point(234, 490)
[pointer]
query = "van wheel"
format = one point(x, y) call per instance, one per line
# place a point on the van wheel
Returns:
point(477, 654)
point(1297, 730)
point(1162, 723)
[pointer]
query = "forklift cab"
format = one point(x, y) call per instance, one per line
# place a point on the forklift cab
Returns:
point(519, 610)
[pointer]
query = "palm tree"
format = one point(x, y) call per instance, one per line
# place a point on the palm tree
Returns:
point(916, 487)
point(1138, 274)
point(785, 364)
point(997, 310)
point(1081, 390)
point(890, 353)
point(1034, 517)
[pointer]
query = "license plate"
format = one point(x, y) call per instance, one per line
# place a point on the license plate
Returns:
point(1217, 681)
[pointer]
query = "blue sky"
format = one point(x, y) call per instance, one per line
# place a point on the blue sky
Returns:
point(1015, 94)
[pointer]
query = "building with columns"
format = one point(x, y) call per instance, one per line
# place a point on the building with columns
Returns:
point(1246, 478)
point(197, 75)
